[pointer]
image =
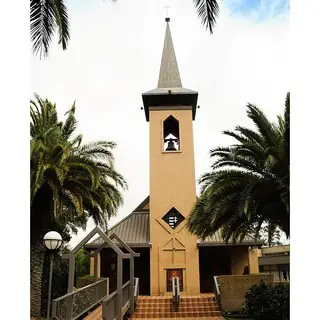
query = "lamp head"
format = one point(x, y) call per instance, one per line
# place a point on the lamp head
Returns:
point(52, 240)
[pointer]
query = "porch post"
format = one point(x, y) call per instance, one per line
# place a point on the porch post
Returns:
point(70, 286)
point(119, 288)
point(131, 289)
point(95, 267)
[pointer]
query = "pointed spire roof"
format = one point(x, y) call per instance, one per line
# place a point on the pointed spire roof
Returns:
point(169, 92)
point(169, 76)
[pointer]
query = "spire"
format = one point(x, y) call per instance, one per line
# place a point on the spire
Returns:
point(169, 76)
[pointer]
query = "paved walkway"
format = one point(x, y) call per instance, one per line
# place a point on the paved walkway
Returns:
point(95, 314)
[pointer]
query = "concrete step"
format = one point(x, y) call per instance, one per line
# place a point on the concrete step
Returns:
point(185, 299)
point(181, 308)
point(196, 307)
point(170, 305)
point(178, 314)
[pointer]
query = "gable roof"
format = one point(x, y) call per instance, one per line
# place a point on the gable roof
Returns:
point(134, 229)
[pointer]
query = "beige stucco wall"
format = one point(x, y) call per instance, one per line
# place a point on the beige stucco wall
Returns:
point(254, 254)
point(233, 289)
point(239, 259)
point(275, 249)
point(172, 184)
point(92, 265)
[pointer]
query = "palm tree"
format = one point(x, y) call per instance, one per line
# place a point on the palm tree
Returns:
point(70, 182)
point(48, 15)
point(249, 182)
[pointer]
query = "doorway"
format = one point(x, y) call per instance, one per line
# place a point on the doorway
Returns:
point(213, 261)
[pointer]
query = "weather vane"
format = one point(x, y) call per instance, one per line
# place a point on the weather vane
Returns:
point(167, 11)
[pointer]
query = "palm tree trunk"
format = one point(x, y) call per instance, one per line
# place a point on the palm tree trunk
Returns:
point(36, 267)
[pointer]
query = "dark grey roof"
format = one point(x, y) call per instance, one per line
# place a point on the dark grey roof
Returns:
point(135, 231)
point(217, 240)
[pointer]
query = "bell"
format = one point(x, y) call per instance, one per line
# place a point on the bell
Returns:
point(171, 146)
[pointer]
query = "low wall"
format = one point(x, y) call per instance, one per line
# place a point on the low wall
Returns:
point(84, 281)
point(234, 287)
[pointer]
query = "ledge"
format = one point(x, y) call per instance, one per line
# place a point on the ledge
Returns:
point(167, 152)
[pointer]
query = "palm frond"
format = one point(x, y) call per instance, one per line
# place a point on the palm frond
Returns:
point(42, 19)
point(208, 11)
point(45, 17)
point(81, 179)
point(248, 184)
point(62, 21)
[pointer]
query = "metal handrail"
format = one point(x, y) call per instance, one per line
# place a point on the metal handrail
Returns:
point(65, 306)
point(173, 287)
point(79, 290)
point(136, 292)
point(216, 288)
point(109, 306)
point(178, 287)
point(126, 284)
point(175, 292)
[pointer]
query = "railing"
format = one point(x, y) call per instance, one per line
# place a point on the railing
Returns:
point(136, 291)
point(216, 289)
point(74, 304)
point(109, 304)
point(175, 292)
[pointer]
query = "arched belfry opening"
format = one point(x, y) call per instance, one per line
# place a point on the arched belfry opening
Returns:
point(171, 137)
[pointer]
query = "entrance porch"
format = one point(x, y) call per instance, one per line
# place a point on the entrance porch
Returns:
point(221, 260)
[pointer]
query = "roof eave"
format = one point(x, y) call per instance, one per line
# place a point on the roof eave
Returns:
point(222, 244)
point(132, 245)
point(172, 99)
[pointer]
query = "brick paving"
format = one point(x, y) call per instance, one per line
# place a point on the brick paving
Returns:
point(197, 307)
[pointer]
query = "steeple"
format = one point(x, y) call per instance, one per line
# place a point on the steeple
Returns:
point(169, 92)
point(169, 76)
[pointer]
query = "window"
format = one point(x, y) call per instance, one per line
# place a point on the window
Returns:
point(173, 218)
point(171, 139)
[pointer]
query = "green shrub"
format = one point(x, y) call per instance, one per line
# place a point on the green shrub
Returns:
point(268, 301)
point(82, 263)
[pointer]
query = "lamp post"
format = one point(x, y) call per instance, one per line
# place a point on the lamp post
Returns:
point(52, 241)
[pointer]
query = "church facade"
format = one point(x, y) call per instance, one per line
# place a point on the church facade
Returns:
point(157, 227)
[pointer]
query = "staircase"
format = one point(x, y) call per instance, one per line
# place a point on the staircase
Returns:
point(196, 307)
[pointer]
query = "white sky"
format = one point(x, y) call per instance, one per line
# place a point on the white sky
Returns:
point(114, 55)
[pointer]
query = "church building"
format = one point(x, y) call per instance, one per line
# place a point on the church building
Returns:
point(157, 227)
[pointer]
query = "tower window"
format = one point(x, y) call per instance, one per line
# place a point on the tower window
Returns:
point(173, 218)
point(171, 139)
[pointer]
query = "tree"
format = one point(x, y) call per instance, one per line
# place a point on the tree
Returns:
point(47, 16)
point(69, 182)
point(249, 182)
point(270, 234)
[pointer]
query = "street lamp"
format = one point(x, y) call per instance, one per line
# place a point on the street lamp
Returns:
point(52, 241)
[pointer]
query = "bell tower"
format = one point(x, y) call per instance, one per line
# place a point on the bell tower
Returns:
point(170, 109)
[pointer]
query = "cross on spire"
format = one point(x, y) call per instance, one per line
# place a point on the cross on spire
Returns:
point(167, 7)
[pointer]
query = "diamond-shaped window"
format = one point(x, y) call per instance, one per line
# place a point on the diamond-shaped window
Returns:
point(173, 218)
